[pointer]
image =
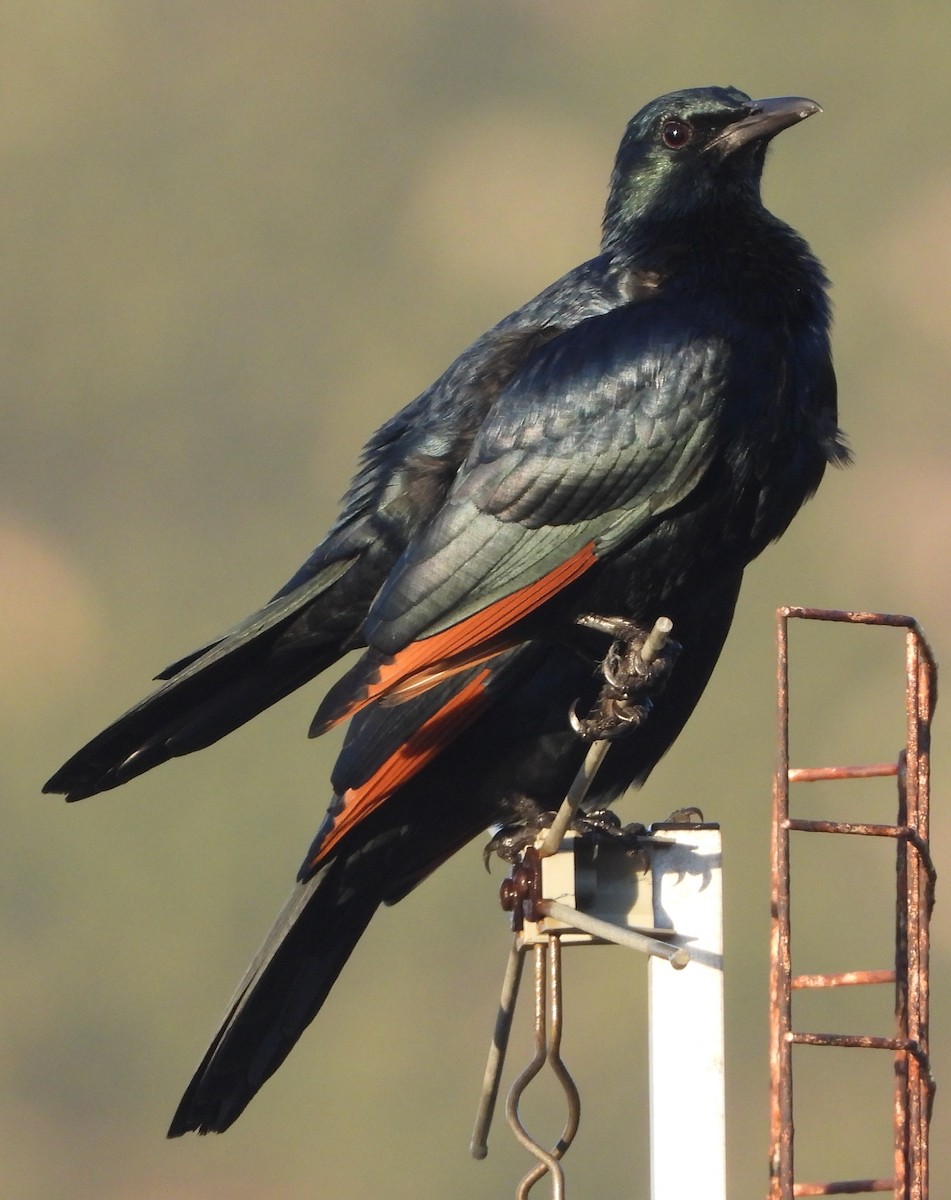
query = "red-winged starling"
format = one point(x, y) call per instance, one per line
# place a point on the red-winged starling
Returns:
point(623, 444)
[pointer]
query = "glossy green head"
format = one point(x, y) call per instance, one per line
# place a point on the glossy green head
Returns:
point(691, 151)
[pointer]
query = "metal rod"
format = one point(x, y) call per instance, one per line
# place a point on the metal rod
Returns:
point(842, 979)
point(780, 989)
point(844, 1187)
point(479, 1145)
point(656, 640)
point(900, 1134)
point(574, 799)
point(854, 1041)
point(819, 774)
point(677, 956)
point(850, 827)
point(849, 616)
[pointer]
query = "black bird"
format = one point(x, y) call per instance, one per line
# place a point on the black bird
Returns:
point(623, 444)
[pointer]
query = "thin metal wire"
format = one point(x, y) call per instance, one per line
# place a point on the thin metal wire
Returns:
point(522, 1081)
point(547, 1042)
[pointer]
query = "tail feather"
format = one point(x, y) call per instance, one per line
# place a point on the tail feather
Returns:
point(279, 996)
point(210, 692)
point(391, 849)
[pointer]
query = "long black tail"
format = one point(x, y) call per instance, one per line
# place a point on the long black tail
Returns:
point(394, 847)
point(279, 996)
point(216, 689)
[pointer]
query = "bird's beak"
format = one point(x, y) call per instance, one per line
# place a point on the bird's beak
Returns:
point(765, 120)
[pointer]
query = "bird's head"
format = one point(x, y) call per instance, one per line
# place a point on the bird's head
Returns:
point(693, 152)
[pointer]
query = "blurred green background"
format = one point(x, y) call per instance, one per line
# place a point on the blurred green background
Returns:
point(234, 238)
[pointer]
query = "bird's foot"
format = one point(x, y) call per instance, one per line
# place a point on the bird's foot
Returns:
point(602, 825)
point(511, 841)
point(637, 666)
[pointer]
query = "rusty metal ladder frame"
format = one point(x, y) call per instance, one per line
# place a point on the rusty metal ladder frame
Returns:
point(914, 1087)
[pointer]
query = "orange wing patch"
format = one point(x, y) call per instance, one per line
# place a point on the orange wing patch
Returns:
point(480, 636)
point(418, 749)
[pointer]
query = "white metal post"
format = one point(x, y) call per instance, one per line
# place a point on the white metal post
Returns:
point(687, 1095)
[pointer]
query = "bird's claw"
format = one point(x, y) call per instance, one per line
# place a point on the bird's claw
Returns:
point(601, 824)
point(638, 664)
point(509, 842)
point(611, 718)
point(690, 815)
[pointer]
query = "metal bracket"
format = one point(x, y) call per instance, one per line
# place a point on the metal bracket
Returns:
point(592, 891)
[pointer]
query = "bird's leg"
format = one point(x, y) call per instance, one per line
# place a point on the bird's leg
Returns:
point(636, 667)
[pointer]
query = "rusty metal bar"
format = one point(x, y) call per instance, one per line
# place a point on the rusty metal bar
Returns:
point(900, 1149)
point(820, 774)
point(855, 1041)
point(842, 979)
point(915, 878)
point(847, 616)
point(914, 990)
point(844, 1187)
point(856, 827)
point(780, 983)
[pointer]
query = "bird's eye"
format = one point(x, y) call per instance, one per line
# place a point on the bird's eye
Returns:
point(676, 134)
